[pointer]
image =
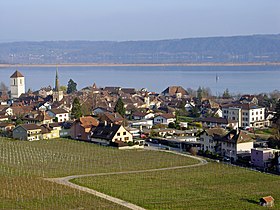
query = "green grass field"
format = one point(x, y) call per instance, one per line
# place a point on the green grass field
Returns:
point(212, 186)
point(23, 165)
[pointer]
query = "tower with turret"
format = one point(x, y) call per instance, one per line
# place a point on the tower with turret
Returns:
point(17, 84)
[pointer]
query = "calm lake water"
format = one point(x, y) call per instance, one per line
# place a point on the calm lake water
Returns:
point(238, 79)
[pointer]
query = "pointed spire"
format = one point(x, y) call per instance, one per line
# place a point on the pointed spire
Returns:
point(56, 80)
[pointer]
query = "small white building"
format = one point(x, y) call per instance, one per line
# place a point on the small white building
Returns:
point(164, 119)
point(60, 114)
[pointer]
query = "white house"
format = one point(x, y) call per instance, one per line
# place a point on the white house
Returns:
point(234, 143)
point(209, 139)
point(60, 114)
point(164, 119)
point(105, 134)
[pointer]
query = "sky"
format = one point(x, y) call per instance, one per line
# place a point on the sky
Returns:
point(122, 20)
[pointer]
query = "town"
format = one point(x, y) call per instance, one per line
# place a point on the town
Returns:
point(241, 131)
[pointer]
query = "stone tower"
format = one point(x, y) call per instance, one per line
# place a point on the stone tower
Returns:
point(17, 84)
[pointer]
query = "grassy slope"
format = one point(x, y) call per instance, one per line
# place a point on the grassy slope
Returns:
point(23, 164)
point(213, 186)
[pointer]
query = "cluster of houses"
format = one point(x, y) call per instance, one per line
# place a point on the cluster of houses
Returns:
point(46, 114)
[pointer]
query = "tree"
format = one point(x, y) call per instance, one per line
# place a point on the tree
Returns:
point(199, 94)
point(276, 118)
point(226, 94)
point(63, 88)
point(120, 107)
point(71, 87)
point(76, 108)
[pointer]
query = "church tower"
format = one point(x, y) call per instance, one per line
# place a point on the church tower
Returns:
point(56, 87)
point(57, 94)
point(17, 84)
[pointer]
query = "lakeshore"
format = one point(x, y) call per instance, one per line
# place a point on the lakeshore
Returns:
point(138, 64)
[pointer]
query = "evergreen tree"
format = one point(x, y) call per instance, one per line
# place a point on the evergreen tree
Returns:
point(120, 107)
point(277, 110)
point(226, 94)
point(76, 108)
point(71, 87)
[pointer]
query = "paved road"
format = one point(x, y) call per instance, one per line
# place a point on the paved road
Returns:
point(66, 180)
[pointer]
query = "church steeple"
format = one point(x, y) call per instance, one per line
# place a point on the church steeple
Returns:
point(56, 81)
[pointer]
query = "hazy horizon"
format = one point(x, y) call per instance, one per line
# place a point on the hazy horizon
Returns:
point(125, 20)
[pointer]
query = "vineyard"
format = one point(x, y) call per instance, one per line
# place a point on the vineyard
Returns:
point(212, 186)
point(23, 165)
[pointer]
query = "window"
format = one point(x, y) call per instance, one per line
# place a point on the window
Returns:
point(118, 134)
point(124, 133)
point(126, 138)
point(253, 119)
point(20, 81)
point(14, 81)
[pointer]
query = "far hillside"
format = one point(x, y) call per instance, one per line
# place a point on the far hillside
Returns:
point(236, 49)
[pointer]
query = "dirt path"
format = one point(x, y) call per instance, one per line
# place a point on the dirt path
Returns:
point(66, 180)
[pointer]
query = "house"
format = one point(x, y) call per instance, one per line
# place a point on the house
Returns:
point(81, 128)
point(267, 201)
point(210, 138)
point(236, 143)
point(248, 99)
point(3, 118)
point(262, 157)
point(65, 130)
point(108, 117)
point(142, 115)
point(99, 110)
point(38, 117)
point(164, 119)
point(61, 115)
point(221, 122)
point(5, 126)
point(247, 115)
point(49, 132)
point(108, 133)
point(29, 132)
point(175, 91)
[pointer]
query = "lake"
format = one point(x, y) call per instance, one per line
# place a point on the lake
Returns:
point(238, 79)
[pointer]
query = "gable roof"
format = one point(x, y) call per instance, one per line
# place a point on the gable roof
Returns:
point(105, 132)
point(172, 90)
point(267, 199)
point(88, 121)
point(58, 111)
point(30, 127)
point(236, 136)
point(216, 132)
point(218, 120)
point(166, 116)
point(16, 74)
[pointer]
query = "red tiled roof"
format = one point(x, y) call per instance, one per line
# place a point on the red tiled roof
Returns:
point(268, 199)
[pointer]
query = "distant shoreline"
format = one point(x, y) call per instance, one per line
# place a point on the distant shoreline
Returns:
point(137, 64)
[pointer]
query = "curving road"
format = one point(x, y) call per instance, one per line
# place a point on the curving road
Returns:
point(66, 180)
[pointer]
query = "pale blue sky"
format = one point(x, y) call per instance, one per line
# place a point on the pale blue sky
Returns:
point(34, 20)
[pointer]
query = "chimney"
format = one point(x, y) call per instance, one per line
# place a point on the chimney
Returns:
point(105, 123)
point(111, 124)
